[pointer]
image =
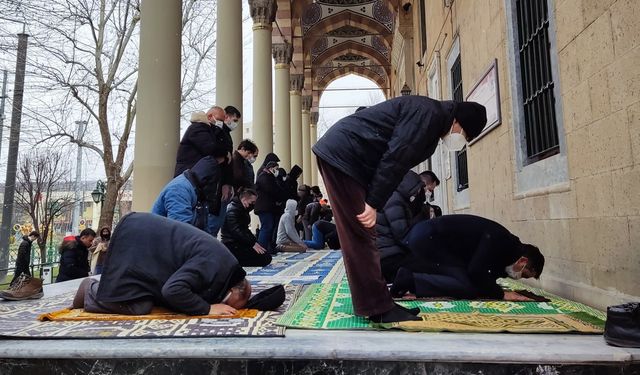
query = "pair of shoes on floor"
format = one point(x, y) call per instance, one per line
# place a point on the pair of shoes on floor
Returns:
point(25, 287)
point(397, 314)
point(622, 327)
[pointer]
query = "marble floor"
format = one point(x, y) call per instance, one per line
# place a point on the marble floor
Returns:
point(310, 345)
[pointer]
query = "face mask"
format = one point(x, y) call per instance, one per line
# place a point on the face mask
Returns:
point(232, 125)
point(250, 207)
point(454, 141)
point(513, 273)
point(428, 196)
point(276, 173)
point(219, 123)
point(252, 159)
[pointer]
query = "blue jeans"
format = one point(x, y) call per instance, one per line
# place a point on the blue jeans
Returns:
point(214, 223)
point(98, 270)
point(317, 239)
point(266, 229)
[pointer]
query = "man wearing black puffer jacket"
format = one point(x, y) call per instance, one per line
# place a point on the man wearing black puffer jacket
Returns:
point(394, 221)
point(237, 236)
point(74, 256)
point(363, 158)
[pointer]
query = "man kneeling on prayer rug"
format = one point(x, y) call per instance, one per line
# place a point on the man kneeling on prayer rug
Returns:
point(462, 256)
point(155, 261)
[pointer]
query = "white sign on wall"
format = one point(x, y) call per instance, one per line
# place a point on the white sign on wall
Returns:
point(487, 92)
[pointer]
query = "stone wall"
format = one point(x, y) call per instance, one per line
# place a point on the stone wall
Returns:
point(586, 220)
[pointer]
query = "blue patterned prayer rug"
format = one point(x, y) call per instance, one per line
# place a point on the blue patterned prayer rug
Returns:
point(312, 267)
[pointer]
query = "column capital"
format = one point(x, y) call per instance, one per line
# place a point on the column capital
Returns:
point(263, 12)
point(296, 83)
point(307, 100)
point(282, 53)
point(313, 118)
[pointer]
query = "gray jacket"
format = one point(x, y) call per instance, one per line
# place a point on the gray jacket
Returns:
point(287, 227)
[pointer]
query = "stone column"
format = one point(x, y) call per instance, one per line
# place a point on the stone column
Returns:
point(296, 82)
point(282, 54)
point(263, 13)
point(307, 158)
point(229, 59)
point(158, 119)
point(313, 138)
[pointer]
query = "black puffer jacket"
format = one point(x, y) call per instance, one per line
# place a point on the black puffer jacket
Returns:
point(235, 231)
point(394, 221)
point(74, 260)
point(377, 146)
point(200, 140)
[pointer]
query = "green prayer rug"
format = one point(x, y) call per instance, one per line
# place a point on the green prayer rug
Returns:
point(328, 306)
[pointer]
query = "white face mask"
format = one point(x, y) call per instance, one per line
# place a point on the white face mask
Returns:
point(276, 172)
point(219, 123)
point(513, 273)
point(454, 141)
point(232, 125)
point(252, 159)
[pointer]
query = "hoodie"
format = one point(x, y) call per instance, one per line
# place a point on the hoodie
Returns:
point(287, 227)
point(183, 196)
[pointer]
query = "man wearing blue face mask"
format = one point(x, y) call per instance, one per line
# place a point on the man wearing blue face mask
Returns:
point(363, 158)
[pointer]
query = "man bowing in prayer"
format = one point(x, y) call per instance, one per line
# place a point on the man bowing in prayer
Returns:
point(363, 158)
point(155, 261)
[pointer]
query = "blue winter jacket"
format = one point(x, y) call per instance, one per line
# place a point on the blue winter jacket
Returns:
point(179, 198)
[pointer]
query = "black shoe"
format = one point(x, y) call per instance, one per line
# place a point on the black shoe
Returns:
point(623, 325)
point(403, 283)
point(396, 314)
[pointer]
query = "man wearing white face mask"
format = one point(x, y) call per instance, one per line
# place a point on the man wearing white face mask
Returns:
point(225, 122)
point(462, 256)
point(362, 159)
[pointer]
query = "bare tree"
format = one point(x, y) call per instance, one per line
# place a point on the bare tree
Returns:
point(84, 66)
point(40, 193)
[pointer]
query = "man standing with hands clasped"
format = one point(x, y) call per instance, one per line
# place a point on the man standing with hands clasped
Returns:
point(362, 159)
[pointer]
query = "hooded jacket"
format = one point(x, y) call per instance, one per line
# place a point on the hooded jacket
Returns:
point(204, 139)
point(287, 226)
point(378, 145)
point(183, 197)
point(269, 193)
point(270, 157)
point(394, 221)
point(173, 263)
point(74, 259)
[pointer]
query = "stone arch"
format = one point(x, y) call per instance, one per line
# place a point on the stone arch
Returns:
point(352, 47)
point(369, 74)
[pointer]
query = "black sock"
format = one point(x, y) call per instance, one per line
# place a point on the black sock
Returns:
point(396, 314)
point(413, 310)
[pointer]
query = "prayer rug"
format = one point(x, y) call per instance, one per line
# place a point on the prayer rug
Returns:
point(67, 315)
point(311, 267)
point(18, 319)
point(328, 306)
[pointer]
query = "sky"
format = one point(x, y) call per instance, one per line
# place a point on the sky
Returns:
point(354, 96)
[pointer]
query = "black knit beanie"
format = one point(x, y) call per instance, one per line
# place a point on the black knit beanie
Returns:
point(472, 117)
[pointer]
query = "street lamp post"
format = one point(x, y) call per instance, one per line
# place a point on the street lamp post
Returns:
point(98, 198)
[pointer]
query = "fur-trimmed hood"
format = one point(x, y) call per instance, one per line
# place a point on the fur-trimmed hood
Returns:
point(200, 117)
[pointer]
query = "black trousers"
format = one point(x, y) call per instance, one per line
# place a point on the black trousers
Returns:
point(247, 257)
point(22, 264)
